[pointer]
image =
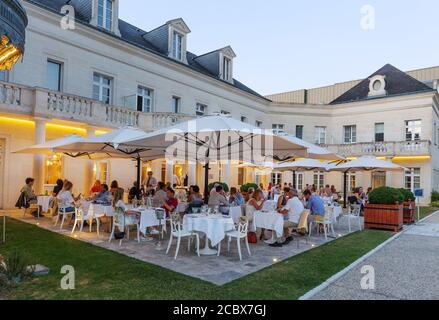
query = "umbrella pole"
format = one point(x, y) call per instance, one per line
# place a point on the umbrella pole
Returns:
point(206, 183)
point(345, 190)
point(294, 179)
point(139, 170)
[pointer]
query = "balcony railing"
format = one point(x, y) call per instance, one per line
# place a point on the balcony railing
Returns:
point(56, 105)
point(389, 149)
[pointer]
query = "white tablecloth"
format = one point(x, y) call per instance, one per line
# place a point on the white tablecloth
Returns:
point(148, 219)
point(235, 213)
point(269, 205)
point(214, 227)
point(98, 210)
point(43, 201)
point(269, 220)
point(182, 207)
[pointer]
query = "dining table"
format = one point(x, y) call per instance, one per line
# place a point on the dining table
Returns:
point(269, 220)
point(213, 226)
point(44, 202)
point(148, 218)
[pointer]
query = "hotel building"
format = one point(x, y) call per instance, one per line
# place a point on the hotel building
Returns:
point(103, 73)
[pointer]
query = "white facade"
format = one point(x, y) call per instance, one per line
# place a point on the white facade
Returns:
point(30, 114)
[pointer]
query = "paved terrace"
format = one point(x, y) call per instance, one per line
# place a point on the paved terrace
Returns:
point(407, 268)
point(217, 270)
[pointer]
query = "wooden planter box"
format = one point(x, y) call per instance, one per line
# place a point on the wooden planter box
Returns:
point(409, 212)
point(384, 217)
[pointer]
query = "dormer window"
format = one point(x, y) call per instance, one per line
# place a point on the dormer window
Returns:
point(377, 86)
point(105, 14)
point(227, 69)
point(177, 46)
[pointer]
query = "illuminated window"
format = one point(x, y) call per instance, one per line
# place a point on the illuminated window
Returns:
point(53, 169)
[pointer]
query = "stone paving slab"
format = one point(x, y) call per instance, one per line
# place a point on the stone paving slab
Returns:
point(217, 270)
point(406, 269)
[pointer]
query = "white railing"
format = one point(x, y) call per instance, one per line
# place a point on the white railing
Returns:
point(56, 105)
point(10, 94)
point(393, 148)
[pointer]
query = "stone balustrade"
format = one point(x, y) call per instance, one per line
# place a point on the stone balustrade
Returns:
point(44, 103)
point(390, 149)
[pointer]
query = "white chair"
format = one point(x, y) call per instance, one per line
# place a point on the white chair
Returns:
point(178, 231)
point(123, 222)
point(240, 233)
point(62, 211)
point(327, 222)
point(303, 225)
point(161, 217)
point(80, 217)
point(354, 213)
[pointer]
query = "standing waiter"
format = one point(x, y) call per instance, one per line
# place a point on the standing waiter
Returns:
point(150, 184)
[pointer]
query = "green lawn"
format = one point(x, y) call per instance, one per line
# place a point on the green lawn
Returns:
point(103, 274)
point(425, 211)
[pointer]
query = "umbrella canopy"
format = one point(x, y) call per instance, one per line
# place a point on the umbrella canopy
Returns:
point(304, 165)
point(51, 146)
point(217, 138)
point(314, 151)
point(367, 164)
point(364, 164)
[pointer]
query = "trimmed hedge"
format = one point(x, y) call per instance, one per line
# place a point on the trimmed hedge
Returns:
point(386, 195)
point(435, 204)
point(225, 186)
point(245, 187)
point(435, 196)
point(408, 195)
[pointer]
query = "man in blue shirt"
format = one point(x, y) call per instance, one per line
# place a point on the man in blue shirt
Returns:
point(316, 205)
point(236, 198)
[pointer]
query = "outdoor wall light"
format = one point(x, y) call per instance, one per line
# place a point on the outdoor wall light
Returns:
point(13, 23)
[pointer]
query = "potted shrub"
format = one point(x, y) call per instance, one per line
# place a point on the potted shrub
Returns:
point(225, 186)
point(409, 206)
point(384, 210)
point(245, 187)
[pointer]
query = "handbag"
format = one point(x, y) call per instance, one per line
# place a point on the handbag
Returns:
point(252, 238)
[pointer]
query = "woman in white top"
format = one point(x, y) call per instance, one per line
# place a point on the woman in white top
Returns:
point(66, 199)
point(256, 203)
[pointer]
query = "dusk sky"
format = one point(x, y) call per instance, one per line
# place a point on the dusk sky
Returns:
point(284, 45)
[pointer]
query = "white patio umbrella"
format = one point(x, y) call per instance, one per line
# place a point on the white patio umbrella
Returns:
point(214, 138)
point(368, 163)
point(204, 139)
point(49, 147)
point(314, 151)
